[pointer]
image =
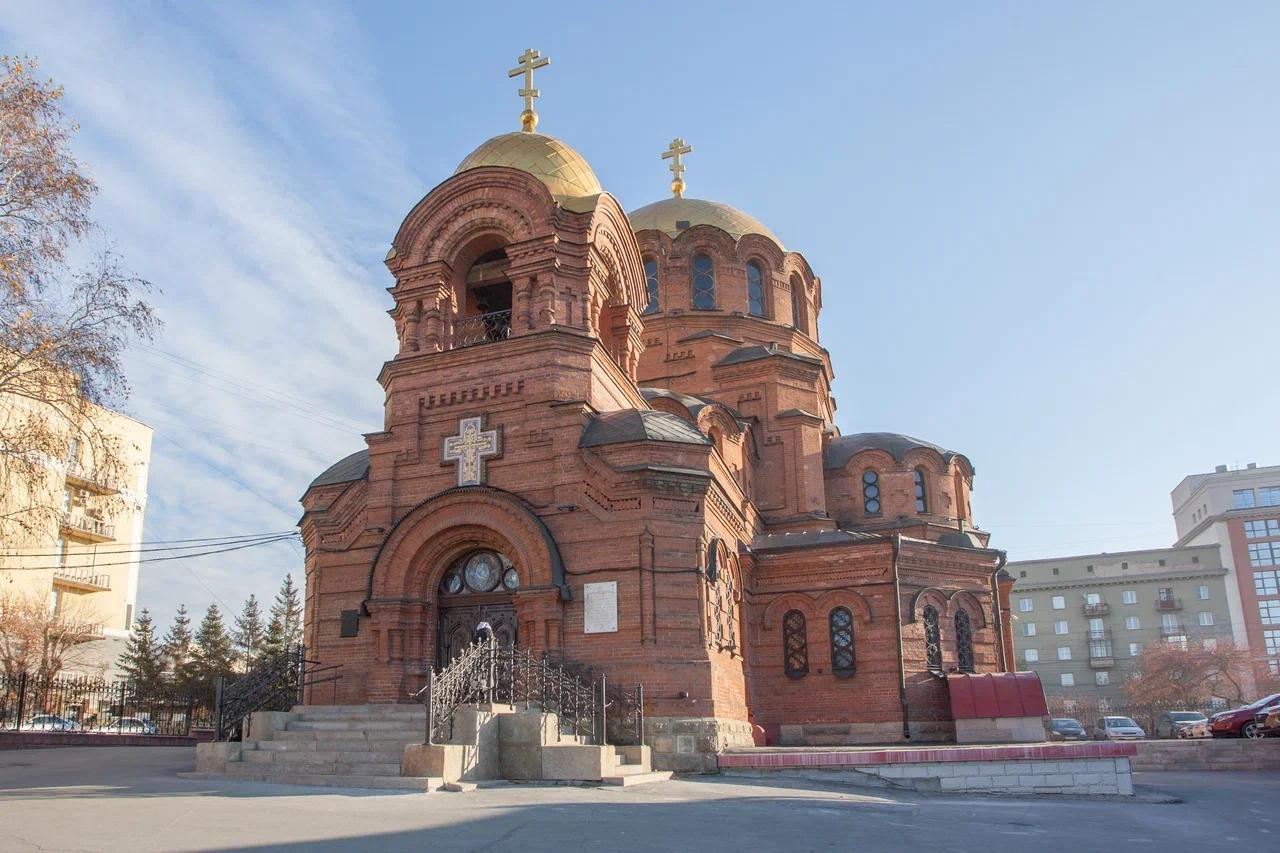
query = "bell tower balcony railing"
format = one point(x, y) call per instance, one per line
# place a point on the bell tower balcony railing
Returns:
point(481, 329)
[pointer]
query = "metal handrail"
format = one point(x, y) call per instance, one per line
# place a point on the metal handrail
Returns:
point(481, 329)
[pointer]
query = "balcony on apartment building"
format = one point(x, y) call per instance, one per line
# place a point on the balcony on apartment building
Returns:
point(1168, 603)
point(81, 476)
point(1101, 654)
point(1176, 631)
point(83, 579)
point(79, 525)
point(1096, 608)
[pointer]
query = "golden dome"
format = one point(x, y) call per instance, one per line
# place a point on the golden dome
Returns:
point(565, 172)
point(664, 216)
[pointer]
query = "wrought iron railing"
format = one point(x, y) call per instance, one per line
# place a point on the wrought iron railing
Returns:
point(487, 672)
point(90, 705)
point(1168, 604)
point(1097, 608)
point(82, 577)
point(276, 683)
point(86, 524)
point(481, 329)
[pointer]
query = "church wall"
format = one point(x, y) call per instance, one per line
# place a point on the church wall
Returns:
point(897, 489)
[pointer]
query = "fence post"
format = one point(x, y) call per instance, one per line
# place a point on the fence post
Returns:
point(604, 710)
point(431, 691)
point(191, 709)
point(22, 698)
point(217, 707)
point(301, 674)
point(640, 714)
point(120, 716)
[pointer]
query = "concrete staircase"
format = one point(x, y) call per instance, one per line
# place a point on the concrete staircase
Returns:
point(381, 747)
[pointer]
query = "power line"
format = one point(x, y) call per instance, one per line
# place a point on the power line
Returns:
point(161, 559)
point(146, 547)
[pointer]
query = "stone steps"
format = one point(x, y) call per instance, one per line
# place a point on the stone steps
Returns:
point(264, 773)
point(274, 756)
point(395, 745)
point(363, 726)
point(342, 768)
point(404, 735)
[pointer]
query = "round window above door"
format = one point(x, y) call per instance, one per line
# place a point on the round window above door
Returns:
point(483, 571)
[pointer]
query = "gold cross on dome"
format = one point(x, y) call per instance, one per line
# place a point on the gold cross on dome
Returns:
point(529, 60)
point(469, 448)
point(673, 152)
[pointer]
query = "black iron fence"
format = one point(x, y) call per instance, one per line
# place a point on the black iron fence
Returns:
point(1089, 711)
point(488, 672)
point(276, 683)
point(71, 704)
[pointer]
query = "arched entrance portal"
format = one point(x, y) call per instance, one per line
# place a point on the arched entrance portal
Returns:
point(478, 587)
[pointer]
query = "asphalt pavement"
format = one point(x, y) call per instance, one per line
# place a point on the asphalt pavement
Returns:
point(132, 799)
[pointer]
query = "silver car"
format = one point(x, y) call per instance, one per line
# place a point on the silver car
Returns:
point(1117, 728)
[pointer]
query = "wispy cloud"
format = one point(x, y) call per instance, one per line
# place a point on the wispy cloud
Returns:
point(249, 167)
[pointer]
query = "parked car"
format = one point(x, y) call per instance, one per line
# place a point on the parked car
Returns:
point(1117, 728)
point(1182, 724)
point(1065, 728)
point(1240, 722)
point(1268, 720)
point(50, 723)
point(133, 726)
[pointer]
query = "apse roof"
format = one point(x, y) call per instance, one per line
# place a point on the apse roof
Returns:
point(769, 350)
point(639, 425)
point(840, 450)
point(345, 470)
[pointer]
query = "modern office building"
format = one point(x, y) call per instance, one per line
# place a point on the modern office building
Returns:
point(1081, 621)
point(1239, 511)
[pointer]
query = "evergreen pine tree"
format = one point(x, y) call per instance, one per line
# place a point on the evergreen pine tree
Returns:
point(179, 650)
point(214, 652)
point(143, 659)
point(249, 635)
point(285, 627)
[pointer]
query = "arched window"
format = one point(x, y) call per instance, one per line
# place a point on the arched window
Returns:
point(964, 641)
point(704, 283)
point(755, 290)
point(840, 624)
point(795, 645)
point(932, 639)
point(871, 492)
point(922, 497)
point(798, 318)
point(651, 284)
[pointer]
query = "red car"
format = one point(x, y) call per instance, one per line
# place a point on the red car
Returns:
point(1240, 722)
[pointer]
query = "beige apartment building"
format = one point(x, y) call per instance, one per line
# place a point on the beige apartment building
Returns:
point(1081, 622)
point(1239, 511)
point(83, 556)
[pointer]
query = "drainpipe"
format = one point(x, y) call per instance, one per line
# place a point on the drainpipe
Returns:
point(897, 626)
point(999, 612)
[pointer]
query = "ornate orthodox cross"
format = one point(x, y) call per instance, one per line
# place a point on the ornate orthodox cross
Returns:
point(469, 448)
point(673, 152)
point(529, 60)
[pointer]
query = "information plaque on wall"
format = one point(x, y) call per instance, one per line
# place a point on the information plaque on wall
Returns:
point(600, 608)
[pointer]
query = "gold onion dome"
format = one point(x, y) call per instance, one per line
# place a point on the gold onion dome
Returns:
point(564, 171)
point(674, 215)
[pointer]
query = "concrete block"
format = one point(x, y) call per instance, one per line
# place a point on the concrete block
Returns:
point(1059, 780)
point(1034, 780)
point(1005, 782)
point(976, 783)
point(1124, 785)
point(526, 761)
point(685, 743)
point(989, 768)
point(664, 743)
point(264, 724)
point(213, 757)
point(1087, 778)
point(954, 783)
point(574, 762)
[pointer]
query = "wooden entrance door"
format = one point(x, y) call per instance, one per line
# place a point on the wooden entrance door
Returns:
point(458, 627)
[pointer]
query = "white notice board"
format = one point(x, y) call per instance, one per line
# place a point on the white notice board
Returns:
point(600, 605)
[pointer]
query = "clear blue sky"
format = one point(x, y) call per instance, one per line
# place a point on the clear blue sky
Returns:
point(1047, 233)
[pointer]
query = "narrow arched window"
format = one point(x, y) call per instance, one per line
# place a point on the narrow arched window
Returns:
point(651, 284)
point(840, 624)
point(964, 641)
point(795, 645)
point(932, 639)
point(704, 283)
point(922, 497)
point(871, 492)
point(755, 290)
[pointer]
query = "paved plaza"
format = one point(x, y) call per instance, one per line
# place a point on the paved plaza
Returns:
point(132, 799)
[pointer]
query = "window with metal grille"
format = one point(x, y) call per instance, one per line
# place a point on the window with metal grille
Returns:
point(932, 639)
point(704, 283)
point(795, 645)
point(843, 661)
point(651, 285)
point(964, 641)
point(922, 499)
point(871, 492)
point(755, 290)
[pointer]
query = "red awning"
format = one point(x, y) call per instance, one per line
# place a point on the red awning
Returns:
point(996, 694)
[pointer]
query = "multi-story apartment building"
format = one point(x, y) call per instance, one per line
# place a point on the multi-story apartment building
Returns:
point(1081, 622)
point(81, 553)
point(1239, 510)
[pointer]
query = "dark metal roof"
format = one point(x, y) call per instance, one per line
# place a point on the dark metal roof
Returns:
point(808, 539)
point(770, 350)
point(345, 470)
point(961, 539)
point(840, 450)
point(639, 425)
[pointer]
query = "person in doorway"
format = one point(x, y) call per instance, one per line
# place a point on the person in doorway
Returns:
point(483, 632)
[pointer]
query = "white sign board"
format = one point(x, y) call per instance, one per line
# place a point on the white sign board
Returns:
point(600, 605)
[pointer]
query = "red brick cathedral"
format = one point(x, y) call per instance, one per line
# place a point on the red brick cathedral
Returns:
point(612, 437)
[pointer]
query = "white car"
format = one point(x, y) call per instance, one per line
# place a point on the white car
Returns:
point(1117, 728)
point(49, 723)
